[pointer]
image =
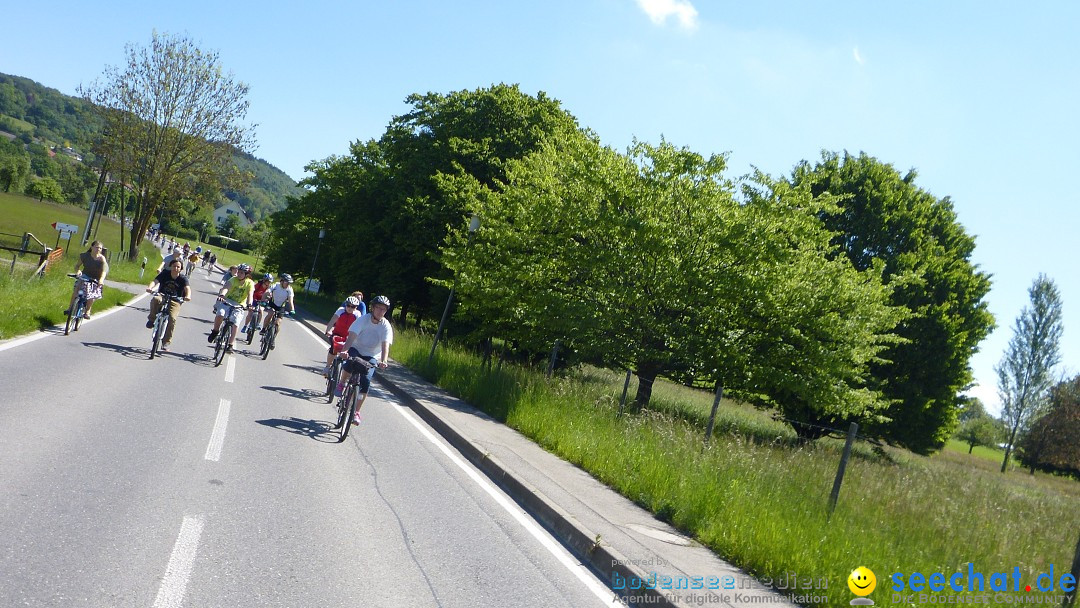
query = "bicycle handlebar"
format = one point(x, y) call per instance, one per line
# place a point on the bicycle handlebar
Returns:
point(178, 299)
point(83, 277)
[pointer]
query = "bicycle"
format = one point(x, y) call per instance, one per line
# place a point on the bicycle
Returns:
point(256, 312)
point(334, 373)
point(347, 403)
point(76, 312)
point(222, 341)
point(269, 333)
point(162, 320)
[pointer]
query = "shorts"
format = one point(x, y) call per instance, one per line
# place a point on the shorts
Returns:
point(234, 312)
point(364, 373)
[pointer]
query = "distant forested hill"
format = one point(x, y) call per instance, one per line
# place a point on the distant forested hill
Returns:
point(56, 132)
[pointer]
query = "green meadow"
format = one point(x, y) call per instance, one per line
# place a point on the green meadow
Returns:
point(758, 497)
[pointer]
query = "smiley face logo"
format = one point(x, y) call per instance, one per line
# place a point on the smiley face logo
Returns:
point(862, 581)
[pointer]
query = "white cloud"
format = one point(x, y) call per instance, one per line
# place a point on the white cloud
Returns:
point(659, 11)
point(858, 56)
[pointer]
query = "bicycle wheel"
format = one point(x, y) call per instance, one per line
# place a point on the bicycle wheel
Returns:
point(155, 344)
point(268, 342)
point(80, 310)
point(220, 344)
point(70, 318)
point(251, 328)
point(331, 379)
point(347, 410)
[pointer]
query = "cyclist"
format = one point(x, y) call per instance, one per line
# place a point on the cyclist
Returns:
point(361, 309)
point(370, 338)
point(174, 254)
point(171, 283)
point(192, 259)
point(254, 315)
point(234, 296)
point(337, 330)
point(94, 265)
point(280, 296)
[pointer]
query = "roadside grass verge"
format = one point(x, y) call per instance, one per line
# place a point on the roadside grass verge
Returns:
point(32, 304)
point(28, 305)
point(762, 504)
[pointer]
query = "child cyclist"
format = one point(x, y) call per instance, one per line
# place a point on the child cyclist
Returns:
point(337, 330)
point(255, 313)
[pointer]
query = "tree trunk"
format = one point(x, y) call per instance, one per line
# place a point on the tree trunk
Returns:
point(133, 237)
point(971, 446)
point(646, 373)
point(1009, 446)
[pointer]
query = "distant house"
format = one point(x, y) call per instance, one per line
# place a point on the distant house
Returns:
point(231, 208)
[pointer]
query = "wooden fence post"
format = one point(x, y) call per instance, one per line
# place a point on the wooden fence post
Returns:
point(852, 431)
point(715, 406)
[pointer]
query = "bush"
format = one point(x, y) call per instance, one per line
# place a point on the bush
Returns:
point(189, 234)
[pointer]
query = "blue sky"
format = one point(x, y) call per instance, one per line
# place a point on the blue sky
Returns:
point(978, 97)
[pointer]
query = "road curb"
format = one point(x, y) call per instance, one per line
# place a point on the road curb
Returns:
point(589, 547)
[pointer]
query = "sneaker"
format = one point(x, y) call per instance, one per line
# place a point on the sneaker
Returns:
point(339, 390)
point(228, 348)
point(67, 312)
point(244, 329)
point(150, 324)
point(86, 316)
point(212, 336)
point(356, 419)
point(326, 371)
point(165, 347)
point(262, 332)
point(271, 346)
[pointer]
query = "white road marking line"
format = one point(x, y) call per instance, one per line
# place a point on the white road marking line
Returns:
point(230, 369)
point(60, 328)
point(217, 438)
point(320, 338)
point(558, 551)
point(181, 562)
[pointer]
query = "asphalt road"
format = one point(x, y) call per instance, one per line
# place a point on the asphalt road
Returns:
point(130, 482)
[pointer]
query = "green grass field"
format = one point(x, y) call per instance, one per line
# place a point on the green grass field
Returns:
point(30, 304)
point(19, 214)
point(761, 503)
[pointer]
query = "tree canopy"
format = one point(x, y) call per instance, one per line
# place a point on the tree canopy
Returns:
point(384, 199)
point(1025, 373)
point(649, 261)
point(172, 118)
point(888, 226)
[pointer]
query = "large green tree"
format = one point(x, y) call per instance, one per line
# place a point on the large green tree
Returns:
point(173, 117)
point(384, 200)
point(888, 226)
point(648, 261)
point(1025, 373)
point(46, 188)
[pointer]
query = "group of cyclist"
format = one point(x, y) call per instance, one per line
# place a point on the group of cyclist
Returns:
point(361, 336)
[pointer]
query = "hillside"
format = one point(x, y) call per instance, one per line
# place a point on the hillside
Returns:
point(57, 131)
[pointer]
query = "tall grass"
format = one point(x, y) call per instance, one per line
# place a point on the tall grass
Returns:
point(762, 504)
point(29, 304)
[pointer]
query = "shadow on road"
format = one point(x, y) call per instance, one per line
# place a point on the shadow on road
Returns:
point(315, 369)
point(306, 394)
point(133, 352)
point(312, 429)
